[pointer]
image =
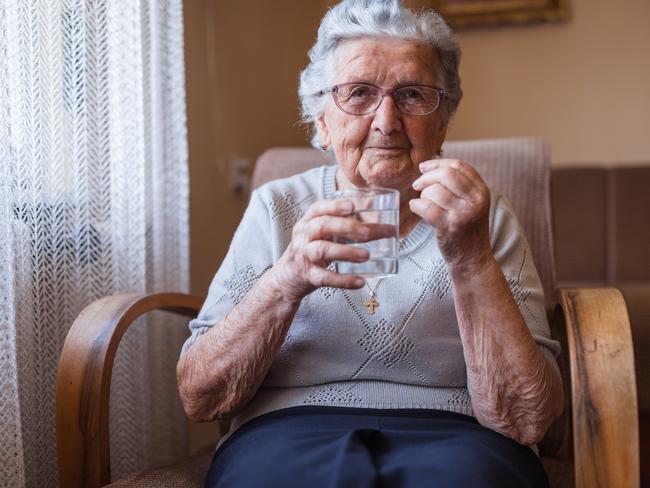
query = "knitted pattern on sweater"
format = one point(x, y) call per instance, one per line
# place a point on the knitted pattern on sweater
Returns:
point(408, 354)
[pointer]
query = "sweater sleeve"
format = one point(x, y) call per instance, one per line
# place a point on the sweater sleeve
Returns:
point(249, 256)
point(513, 254)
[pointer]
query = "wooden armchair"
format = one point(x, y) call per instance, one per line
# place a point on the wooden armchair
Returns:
point(595, 443)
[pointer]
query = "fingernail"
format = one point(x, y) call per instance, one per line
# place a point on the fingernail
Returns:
point(426, 166)
point(416, 184)
point(359, 282)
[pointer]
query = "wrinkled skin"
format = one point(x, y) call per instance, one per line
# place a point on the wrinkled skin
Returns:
point(389, 149)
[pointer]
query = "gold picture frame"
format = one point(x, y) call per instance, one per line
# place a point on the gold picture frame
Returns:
point(480, 13)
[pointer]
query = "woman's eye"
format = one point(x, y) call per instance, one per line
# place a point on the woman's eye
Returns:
point(360, 92)
point(412, 94)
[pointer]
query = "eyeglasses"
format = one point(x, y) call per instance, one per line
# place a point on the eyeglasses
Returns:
point(365, 98)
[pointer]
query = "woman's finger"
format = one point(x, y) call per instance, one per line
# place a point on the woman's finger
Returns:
point(325, 251)
point(336, 206)
point(429, 211)
point(320, 277)
point(454, 180)
point(467, 169)
point(442, 197)
point(327, 227)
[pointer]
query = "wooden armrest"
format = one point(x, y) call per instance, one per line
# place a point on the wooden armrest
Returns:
point(603, 387)
point(84, 381)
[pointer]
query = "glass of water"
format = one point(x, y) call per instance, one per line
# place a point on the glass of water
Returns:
point(373, 206)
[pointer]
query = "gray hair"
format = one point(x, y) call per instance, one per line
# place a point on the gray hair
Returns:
point(353, 19)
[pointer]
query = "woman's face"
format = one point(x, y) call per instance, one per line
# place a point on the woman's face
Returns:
point(382, 148)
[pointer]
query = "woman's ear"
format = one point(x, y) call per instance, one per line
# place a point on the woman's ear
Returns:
point(323, 131)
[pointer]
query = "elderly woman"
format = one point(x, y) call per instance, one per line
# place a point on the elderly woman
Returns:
point(452, 378)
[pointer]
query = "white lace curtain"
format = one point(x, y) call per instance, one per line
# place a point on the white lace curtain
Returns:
point(93, 201)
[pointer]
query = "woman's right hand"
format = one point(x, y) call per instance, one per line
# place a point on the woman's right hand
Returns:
point(303, 266)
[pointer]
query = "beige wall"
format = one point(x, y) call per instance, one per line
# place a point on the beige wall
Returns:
point(583, 85)
point(242, 64)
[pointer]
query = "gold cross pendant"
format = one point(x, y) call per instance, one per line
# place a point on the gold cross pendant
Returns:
point(371, 304)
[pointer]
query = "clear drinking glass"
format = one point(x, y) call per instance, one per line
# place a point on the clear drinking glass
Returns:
point(374, 206)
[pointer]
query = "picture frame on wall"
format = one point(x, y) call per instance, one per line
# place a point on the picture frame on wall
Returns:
point(480, 13)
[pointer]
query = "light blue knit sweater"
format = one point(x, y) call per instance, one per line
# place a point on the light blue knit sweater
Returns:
point(408, 354)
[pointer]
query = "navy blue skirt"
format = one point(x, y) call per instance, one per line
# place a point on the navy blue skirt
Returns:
point(349, 447)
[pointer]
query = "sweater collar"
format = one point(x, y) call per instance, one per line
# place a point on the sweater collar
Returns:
point(415, 239)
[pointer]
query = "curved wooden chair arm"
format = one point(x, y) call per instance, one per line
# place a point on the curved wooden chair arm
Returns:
point(84, 381)
point(603, 387)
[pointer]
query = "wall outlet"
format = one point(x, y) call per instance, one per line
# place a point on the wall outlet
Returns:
point(239, 174)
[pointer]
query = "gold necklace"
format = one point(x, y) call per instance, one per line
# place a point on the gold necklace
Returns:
point(372, 304)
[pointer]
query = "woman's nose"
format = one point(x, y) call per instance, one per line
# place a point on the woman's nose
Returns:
point(387, 117)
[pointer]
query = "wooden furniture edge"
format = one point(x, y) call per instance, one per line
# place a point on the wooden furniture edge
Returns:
point(603, 387)
point(84, 380)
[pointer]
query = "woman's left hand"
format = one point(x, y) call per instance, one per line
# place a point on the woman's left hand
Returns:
point(455, 200)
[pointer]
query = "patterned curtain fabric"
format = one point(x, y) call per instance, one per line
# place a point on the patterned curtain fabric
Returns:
point(93, 201)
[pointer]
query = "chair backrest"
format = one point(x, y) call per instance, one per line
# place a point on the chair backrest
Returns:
point(519, 169)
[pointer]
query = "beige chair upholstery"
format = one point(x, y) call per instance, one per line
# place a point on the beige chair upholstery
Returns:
point(516, 168)
point(188, 473)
